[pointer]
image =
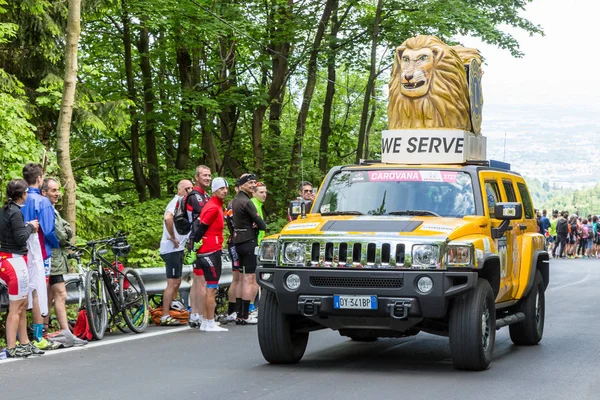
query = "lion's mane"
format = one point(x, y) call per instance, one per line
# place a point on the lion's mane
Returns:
point(446, 104)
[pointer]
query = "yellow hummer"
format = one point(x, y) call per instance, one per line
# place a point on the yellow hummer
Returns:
point(431, 238)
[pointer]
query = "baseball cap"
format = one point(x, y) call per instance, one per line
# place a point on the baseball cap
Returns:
point(218, 183)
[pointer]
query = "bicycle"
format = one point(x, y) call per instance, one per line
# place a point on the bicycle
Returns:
point(113, 288)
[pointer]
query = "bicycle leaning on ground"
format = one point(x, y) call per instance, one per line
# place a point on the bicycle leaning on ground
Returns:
point(112, 291)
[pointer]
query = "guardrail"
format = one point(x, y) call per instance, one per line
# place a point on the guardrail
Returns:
point(155, 280)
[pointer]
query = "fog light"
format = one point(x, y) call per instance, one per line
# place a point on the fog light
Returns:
point(292, 281)
point(265, 276)
point(425, 284)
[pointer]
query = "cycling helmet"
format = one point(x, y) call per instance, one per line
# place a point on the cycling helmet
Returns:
point(177, 305)
point(121, 248)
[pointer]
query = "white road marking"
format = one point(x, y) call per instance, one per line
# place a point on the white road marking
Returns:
point(99, 343)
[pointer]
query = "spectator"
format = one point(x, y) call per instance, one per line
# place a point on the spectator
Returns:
point(306, 197)
point(545, 222)
point(562, 233)
point(38, 207)
point(258, 198)
point(209, 229)
point(59, 266)
point(172, 245)
point(247, 224)
point(233, 294)
point(14, 234)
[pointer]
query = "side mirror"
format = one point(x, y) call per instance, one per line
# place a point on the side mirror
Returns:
point(508, 211)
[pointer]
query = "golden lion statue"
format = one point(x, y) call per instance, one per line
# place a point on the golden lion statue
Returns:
point(428, 86)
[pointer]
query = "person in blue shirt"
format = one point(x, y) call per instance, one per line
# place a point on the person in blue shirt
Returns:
point(545, 222)
point(38, 207)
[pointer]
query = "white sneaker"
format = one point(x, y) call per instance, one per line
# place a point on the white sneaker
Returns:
point(231, 317)
point(213, 328)
point(254, 313)
point(250, 321)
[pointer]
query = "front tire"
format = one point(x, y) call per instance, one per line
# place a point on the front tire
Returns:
point(278, 341)
point(472, 328)
point(95, 304)
point(134, 300)
point(529, 332)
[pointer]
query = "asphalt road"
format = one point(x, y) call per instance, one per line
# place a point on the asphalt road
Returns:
point(181, 363)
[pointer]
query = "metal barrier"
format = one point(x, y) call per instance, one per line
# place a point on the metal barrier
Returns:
point(155, 280)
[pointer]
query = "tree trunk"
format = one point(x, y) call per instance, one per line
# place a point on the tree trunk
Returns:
point(370, 83)
point(311, 80)
point(138, 173)
point(184, 63)
point(149, 120)
point(66, 113)
point(328, 105)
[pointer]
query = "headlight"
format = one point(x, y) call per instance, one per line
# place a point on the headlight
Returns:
point(292, 282)
point(426, 255)
point(457, 256)
point(425, 284)
point(267, 251)
point(294, 253)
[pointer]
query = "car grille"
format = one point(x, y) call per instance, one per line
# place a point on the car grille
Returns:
point(356, 282)
point(364, 253)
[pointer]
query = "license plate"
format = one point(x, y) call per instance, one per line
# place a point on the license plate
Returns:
point(355, 302)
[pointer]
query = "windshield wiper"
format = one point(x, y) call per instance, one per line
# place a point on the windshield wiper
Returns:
point(342, 213)
point(414, 212)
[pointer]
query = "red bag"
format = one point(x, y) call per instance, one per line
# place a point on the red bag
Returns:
point(82, 327)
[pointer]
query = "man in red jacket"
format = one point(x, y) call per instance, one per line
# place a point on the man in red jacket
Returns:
point(209, 229)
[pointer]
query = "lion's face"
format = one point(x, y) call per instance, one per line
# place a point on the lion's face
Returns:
point(416, 68)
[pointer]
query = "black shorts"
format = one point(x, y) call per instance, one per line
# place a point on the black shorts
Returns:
point(235, 260)
point(572, 239)
point(53, 279)
point(247, 257)
point(211, 264)
point(173, 264)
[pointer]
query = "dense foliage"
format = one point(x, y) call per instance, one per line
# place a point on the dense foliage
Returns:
point(282, 88)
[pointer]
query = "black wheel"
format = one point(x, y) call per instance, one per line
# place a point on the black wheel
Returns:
point(472, 328)
point(363, 338)
point(116, 320)
point(95, 304)
point(278, 341)
point(134, 300)
point(530, 331)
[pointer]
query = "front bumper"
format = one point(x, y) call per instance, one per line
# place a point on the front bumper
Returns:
point(398, 298)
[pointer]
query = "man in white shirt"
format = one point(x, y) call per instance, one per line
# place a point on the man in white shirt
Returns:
point(172, 245)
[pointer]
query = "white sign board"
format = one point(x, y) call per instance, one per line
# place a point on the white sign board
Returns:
point(431, 146)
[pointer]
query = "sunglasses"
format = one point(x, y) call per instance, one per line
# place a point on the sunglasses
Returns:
point(307, 190)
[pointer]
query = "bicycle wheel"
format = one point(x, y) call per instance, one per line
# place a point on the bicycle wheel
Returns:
point(95, 304)
point(134, 300)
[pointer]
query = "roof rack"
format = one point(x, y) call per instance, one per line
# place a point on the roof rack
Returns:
point(368, 162)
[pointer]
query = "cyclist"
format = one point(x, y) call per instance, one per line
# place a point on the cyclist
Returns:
point(247, 224)
point(172, 245)
point(13, 267)
point(209, 228)
point(195, 201)
point(233, 294)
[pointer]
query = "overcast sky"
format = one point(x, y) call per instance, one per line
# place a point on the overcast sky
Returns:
point(561, 68)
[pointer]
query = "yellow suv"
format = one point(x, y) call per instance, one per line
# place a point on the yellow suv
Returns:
point(392, 250)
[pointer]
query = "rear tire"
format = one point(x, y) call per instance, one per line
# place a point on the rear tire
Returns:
point(134, 300)
point(529, 332)
point(472, 328)
point(95, 304)
point(278, 341)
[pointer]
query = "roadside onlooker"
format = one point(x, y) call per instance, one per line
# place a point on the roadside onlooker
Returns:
point(247, 224)
point(38, 207)
point(59, 266)
point(13, 267)
point(234, 293)
point(172, 245)
point(562, 233)
point(545, 223)
point(306, 197)
point(258, 198)
point(209, 229)
point(195, 201)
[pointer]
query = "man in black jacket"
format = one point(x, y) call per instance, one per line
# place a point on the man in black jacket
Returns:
point(562, 231)
point(247, 223)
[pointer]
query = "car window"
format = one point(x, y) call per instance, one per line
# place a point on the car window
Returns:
point(527, 203)
point(509, 189)
point(492, 195)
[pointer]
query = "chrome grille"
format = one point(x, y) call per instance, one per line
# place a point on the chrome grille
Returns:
point(353, 253)
point(356, 282)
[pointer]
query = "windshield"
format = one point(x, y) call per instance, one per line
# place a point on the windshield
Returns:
point(399, 192)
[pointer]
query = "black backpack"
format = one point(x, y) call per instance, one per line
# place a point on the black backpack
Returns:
point(180, 216)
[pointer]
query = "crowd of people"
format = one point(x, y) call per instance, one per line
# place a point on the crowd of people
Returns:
point(33, 261)
point(570, 236)
point(207, 214)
